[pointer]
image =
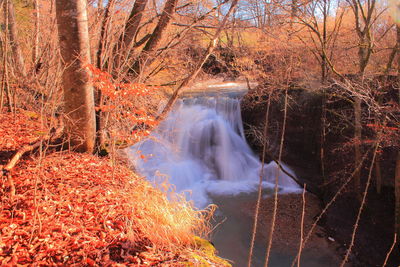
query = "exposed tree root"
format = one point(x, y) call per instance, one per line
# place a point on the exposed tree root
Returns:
point(50, 137)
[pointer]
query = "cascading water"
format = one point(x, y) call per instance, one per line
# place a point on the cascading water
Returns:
point(201, 149)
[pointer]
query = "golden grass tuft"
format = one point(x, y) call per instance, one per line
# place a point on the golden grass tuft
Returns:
point(167, 221)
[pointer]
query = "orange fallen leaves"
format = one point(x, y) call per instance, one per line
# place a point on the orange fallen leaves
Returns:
point(77, 209)
point(69, 211)
point(19, 129)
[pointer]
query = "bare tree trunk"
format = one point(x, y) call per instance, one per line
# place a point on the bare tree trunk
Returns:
point(324, 65)
point(293, 12)
point(13, 37)
point(392, 57)
point(155, 38)
point(103, 35)
point(73, 33)
point(35, 53)
point(4, 80)
point(125, 43)
point(5, 90)
point(100, 140)
point(363, 15)
point(364, 52)
point(132, 25)
point(396, 50)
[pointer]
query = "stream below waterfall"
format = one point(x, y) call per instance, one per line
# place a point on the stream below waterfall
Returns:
point(200, 148)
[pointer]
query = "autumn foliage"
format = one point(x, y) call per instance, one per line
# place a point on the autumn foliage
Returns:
point(77, 209)
point(126, 108)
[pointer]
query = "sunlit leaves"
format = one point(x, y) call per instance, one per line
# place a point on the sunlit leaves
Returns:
point(129, 119)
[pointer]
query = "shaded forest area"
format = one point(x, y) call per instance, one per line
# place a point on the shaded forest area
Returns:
point(89, 76)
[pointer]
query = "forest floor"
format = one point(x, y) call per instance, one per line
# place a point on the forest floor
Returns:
point(79, 209)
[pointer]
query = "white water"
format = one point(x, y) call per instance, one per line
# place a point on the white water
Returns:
point(200, 148)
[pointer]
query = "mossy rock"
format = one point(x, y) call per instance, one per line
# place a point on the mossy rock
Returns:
point(205, 255)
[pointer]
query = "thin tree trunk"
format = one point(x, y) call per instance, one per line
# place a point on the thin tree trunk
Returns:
point(5, 52)
point(35, 53)
point(363, 22)
point(259, 193)
point(364, 52)
point(324, 66)
point(5, 90)
point(13, 37)
point(125, 43)
point(73, 33)
point(363, 62)
point(396, 50)
point(392, 56)
point(293, 12)
point(103, 34)
point(275, 210)
point(132, 25)
point(100, 140)
point(155, 38)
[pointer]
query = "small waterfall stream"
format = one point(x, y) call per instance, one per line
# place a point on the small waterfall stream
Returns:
point(202, 150)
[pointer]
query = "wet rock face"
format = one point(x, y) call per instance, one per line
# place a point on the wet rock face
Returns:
point(302, 133)
point(302, 152)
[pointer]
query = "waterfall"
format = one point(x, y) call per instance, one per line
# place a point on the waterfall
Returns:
point(200, 148)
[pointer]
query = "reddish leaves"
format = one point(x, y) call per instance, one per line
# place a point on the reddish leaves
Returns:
point(19, 129)
point(73, 209)
point(121, 102)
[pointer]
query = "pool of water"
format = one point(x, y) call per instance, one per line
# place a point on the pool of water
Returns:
point(232, 237)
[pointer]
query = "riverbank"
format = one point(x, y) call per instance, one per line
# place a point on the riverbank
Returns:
point(78, 209)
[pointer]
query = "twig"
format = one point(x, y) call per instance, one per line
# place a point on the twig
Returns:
point(307, 237)
point(361, 208)
point(253, 236)
point(302, 224)
point(271, 233)
point(54, 133)
point(286, 172)
point(390, 250)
